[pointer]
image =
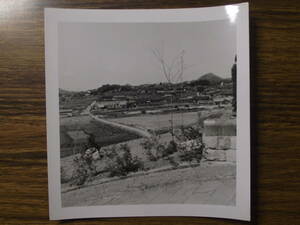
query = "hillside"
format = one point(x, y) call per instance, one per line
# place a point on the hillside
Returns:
point(65, 92)
point(208, 79)
point(211, 78)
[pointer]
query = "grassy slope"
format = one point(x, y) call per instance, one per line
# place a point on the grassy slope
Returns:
point(104, 134)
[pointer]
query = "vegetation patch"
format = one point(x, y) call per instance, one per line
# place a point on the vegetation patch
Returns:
point(122, 162)
point(98, 133)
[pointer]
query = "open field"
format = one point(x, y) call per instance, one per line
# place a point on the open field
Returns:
point(206, 184)
point(104, 134)
point(74, 121)
point(159, 121)
point(163, 121)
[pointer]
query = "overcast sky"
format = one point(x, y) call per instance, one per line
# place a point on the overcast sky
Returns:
point(93, 54)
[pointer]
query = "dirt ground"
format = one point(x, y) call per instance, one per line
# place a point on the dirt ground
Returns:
point(160, 121)
point(206, 184)
point(163, 121)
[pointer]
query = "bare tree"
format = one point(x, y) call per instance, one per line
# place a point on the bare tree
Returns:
point(173, 72)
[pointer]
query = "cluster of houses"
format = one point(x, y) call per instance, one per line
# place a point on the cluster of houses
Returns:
point(66, 112)
point(158, 95)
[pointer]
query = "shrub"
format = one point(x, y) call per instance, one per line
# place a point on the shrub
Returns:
point(171, 148)
point(173, 162)
point(191, 133)
point(84, 169)
point(63, 176)
point(194, 153)
point(160, 150)
point(150, 155)
point(124, 163)
point(111, 152)
point(155, 150)
point(147, 145)
point(80, 172)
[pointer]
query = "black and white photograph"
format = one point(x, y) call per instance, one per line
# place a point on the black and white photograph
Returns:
point(147, 113)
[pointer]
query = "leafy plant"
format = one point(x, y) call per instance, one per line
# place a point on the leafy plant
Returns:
point(173, 162)
point(147, 144)
point(63, 176)
point(123, 162)
point(170, 149)
point(84, 168)
point(194, 153)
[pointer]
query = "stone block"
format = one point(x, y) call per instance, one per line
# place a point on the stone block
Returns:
point(233, 143)
point(218, 127)
point(224, 142)
point(210, 141)
point(215, 155)
point(220, 142)
point(230, 155)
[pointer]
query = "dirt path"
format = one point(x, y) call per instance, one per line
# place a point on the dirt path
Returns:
point(138, 131)
point(206, 184)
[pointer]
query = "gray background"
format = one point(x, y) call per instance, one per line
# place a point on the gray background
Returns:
point(93, 54)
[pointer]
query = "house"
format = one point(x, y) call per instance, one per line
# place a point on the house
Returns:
point(154, 111)
point(119, 97)
point(226, 92)
point(222, 100)
point(133, 112)
point(164, 92)
point(66, 112)
point(187, 99)
point(88, 93)
point(113, 104)
point(204, 102)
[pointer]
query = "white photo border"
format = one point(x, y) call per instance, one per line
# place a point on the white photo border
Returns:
point(53, 17)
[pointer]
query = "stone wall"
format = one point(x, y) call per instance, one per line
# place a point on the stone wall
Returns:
point(219, 138)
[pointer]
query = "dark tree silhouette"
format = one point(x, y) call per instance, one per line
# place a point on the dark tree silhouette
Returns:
point(233, 76)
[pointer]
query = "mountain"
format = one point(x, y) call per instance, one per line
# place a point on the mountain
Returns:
point(211, 78)
point(207, 79)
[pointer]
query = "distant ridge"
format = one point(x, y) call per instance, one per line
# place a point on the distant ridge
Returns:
point(206, 79)
point(65, 92)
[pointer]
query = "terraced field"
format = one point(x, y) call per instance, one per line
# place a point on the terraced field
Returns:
point(104, 134)
point(160, 121)
point(163, 121)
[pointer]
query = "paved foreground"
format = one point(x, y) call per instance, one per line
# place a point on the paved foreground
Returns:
point(206, 184)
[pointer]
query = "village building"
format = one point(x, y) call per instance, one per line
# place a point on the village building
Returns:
point(66, 112)
point(113, 104)
point(119, 97)
point(133, 112)
point(227, 92)
point(222, 100)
